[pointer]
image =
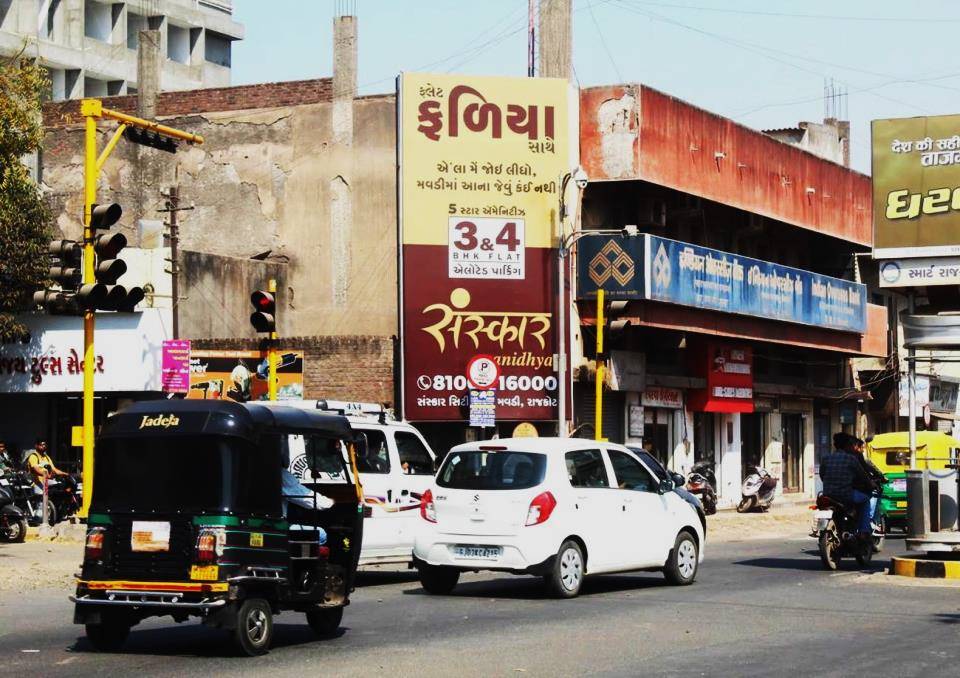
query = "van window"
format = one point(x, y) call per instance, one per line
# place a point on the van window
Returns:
point(585, 469)
point(481, 470)
point(630, 473)
point(377, 457)
point(414, 457)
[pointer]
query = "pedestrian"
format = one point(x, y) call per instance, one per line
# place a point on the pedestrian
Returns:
point(6, 460)
point(39, 463)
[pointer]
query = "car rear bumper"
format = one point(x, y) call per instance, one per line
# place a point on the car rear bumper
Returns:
point(519, 556)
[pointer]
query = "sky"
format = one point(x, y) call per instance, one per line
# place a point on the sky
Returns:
point(763, 63)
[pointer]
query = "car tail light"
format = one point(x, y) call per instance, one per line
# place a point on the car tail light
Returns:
point(540, 508)
point(93, 549)
point(210, 543)
point(427, 510)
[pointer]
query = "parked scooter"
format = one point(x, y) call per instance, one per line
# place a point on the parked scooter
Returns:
point(13, 523)
point(758, 490)
point(28, 500)
point(702, 482)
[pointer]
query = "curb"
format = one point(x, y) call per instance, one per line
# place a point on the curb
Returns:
point(925, 569)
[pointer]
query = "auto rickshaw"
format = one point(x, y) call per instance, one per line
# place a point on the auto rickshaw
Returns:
point(890, 452)
point(189, 519)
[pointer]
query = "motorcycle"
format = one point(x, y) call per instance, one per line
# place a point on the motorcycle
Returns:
point(837, 535)
point(758, 490)
point(13, 524)
point(28, 500)
point(702, 482)
point(64, 494)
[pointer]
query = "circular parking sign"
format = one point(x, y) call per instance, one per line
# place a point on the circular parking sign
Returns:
point(482, 371)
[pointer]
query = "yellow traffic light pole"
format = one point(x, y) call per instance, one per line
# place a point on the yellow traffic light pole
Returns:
point(92, 110)
point(601, 368)
point(272, 348)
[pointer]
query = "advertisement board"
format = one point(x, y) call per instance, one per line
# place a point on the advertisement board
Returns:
point(729, 374)
point(481, 160)
point(920, 271)
point(242, 375)
point(128, 350)
point(175, 366)
point(916, 175)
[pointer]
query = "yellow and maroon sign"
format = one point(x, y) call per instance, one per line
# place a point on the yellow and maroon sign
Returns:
point(916, 187)
point(481, 161)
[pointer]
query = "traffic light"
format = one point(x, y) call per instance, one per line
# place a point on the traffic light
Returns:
point(105, 294)
point(264, 316)
point(66, 273)
point(145, 137)
point(610, 325)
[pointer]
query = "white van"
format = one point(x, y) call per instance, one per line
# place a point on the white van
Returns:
point(396, 471)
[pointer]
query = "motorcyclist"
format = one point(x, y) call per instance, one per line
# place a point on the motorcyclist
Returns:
point(845, 480)
point(876, 475)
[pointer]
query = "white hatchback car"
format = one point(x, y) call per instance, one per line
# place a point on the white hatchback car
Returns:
point(560, 508)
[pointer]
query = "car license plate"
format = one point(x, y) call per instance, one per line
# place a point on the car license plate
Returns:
point(150, 535)
point(205, 572)
point(477, 552)
point(899, 485)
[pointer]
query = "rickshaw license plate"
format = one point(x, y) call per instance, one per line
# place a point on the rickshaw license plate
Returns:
point(901, 504)
point(205, 572)
point(149, 535)
point(477, 552)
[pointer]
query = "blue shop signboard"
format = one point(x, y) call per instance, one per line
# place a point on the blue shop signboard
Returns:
point(614, 264)
point(680, 273)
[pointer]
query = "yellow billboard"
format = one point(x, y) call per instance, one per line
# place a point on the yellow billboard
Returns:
point(916, 187)
point(481, 163)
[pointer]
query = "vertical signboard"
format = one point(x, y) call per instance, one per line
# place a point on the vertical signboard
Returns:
point(481, 159)
point(175, 366)
point(916, 202)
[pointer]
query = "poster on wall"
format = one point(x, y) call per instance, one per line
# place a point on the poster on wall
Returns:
point(916, 202)
point(242, 375)
point(481, 161)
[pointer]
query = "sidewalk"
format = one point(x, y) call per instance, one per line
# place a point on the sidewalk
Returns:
point(789, 517)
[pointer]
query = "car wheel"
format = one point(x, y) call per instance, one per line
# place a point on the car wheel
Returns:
point(438, 580)
point(683, 561)
point(254, 628)
point(109, 635)
point(325, 620)
point(566, 577)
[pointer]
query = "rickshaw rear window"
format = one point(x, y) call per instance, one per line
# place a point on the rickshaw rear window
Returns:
point(189, 473)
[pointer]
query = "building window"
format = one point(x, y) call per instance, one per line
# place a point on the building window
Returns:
point(178, 44)
point(98, 20)
point(704, 437)
point(5, 12)
point(94, 88)
point(135, 24)
point(48, 28)
point(217, 49)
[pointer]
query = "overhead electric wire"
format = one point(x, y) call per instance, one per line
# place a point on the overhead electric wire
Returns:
point(797, 15)
point(603, 42)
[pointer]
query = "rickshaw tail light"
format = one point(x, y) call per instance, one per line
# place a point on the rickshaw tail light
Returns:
point(427, 510)
point(210, 545)
point(93, 549)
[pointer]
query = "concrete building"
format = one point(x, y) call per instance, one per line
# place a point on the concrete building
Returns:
point(90, 46)
point(829, 139)
point(706, 186)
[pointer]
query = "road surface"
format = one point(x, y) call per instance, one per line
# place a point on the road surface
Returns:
point(759, 608)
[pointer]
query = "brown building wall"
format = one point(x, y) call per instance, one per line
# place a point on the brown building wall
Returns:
point(338, 368)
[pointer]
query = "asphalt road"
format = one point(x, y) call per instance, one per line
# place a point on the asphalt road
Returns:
point(759, 608)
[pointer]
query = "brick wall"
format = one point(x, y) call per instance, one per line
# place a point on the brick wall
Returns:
point(358, 368)
point(243, 97)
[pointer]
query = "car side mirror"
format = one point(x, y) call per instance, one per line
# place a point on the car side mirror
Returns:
point(678, 479)
point(666, 486)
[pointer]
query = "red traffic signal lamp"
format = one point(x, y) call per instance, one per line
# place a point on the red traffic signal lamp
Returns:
point(264, 316)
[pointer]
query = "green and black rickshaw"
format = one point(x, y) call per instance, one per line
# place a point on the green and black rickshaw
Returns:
point(188, 519)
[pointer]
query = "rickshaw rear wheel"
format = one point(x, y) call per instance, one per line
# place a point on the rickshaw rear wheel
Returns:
point(325, 620)
point(109, 635)
point(254, 628)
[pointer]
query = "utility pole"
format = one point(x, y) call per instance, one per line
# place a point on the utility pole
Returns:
point(272, 350)
point(172, 206)
point(531, 38)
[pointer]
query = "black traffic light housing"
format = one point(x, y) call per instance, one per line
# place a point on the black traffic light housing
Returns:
point(614, 324)
point(105, 294)
point(145, 137)
point(264, 316)
point(66, 257)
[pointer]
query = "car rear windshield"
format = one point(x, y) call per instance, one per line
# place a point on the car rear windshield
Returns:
point(492, 470)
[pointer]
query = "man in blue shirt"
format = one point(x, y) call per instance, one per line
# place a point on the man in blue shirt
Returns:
point(842, 474)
